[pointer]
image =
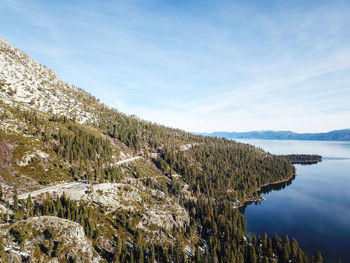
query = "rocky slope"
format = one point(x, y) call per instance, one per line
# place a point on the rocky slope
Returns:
point(56, 236)
point(29, 84)
point(28, 163)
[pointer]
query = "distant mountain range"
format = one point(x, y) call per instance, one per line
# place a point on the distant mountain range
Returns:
point(336, 135)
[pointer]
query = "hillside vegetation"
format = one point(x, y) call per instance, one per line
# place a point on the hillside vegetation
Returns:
point(67, 196)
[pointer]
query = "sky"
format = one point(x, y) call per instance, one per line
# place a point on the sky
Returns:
point(201, 66)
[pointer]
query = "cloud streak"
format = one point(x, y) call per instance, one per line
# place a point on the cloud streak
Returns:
point(199, 66)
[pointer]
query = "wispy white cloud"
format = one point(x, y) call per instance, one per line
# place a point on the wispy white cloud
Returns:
point(213, 66)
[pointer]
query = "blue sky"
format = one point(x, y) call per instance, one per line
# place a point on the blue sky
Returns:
point(197, 65)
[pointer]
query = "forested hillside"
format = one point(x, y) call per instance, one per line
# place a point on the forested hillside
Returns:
point(81, 182)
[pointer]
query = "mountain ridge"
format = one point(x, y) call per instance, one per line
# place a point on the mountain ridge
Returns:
point(334, 135)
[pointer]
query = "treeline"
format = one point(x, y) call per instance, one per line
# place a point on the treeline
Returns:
point(139, 134)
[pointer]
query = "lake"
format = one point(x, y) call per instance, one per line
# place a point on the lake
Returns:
point(315, 207)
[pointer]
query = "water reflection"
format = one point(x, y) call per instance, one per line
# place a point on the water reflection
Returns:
point(266, 190)
point(314, 206)
point(275, 187)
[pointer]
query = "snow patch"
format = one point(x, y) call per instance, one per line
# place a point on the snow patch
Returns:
point(26, 160)
point(42, 154)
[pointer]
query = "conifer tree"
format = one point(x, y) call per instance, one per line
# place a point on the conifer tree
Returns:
point(2, 250)
point(15, 200)
point(294, 249)
point(37, 253)
point(252, 256)
point(1, 193)
point(286, 249)
point(265, 243)
point(29, 205)
point(317, 258)
point(300, 257)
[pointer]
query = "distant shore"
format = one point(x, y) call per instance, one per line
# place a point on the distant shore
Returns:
point(335, 135)
point(302, 158)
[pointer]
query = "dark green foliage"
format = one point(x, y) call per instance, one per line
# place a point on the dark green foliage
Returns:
point(66, 208)
point(78, 145)
point(17, 235)
point(303, 158)
point(3, 255)
point(317, 258)
point(223, 168)
point(15, 200)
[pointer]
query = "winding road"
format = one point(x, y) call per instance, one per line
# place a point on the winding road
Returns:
point(55, 188)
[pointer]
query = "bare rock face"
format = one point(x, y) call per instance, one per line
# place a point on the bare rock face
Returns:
point(67, 238)
point(160, 210)
point(6, 152)
point(157, 209)
point(168, 216)
point(27, 83)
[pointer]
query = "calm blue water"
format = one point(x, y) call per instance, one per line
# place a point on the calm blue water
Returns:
point(315, 207)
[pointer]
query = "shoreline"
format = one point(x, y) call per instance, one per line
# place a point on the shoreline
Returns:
point(307, 162)
point(276, 182)
point(260, 198)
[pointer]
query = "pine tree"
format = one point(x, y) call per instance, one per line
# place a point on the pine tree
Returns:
point(37, 253)
point(152, 254)
point(115, 131)
point(252, 255)
point(286, 249)
point(1, 193)
point(254, 241)
point(2, 250)
point(29, 205)
point(117, 250)
point(96, 233)
point(132, 258)
point(198, 254)
point(265, 243)
point(300, 257)
point(15, 200)
point(317, 258)
point(294, 249)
